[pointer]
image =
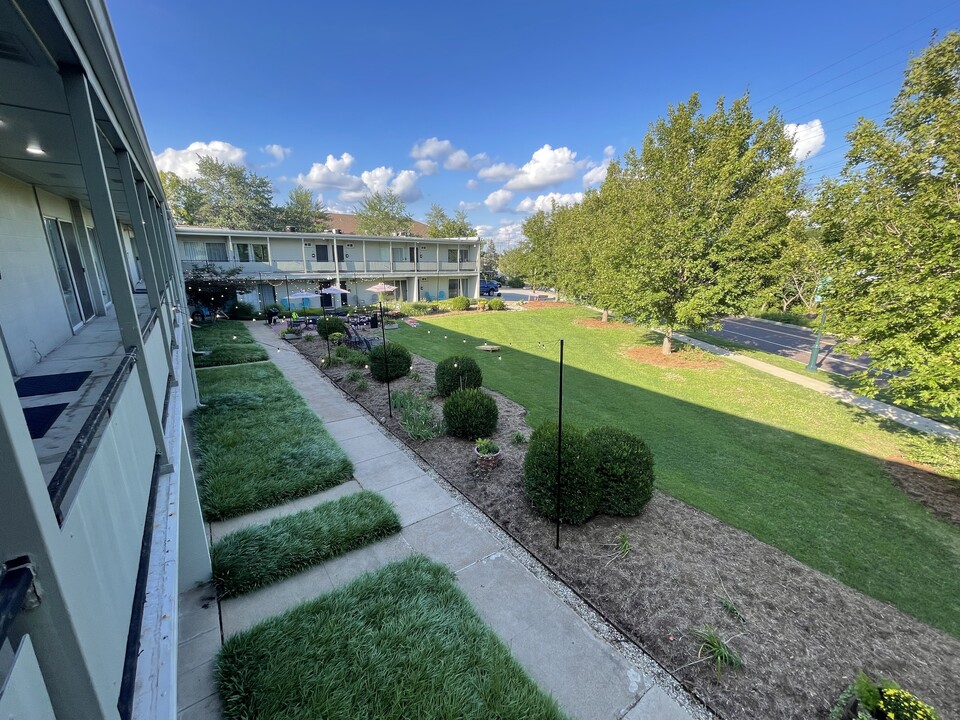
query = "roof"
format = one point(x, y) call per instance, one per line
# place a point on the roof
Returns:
point(347, 224)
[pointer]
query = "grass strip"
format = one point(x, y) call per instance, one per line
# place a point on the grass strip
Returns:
point(794, 468)
point(258, 443)
point(234, 354)
point(227, 342)
point(403, 642)
point(263, 554)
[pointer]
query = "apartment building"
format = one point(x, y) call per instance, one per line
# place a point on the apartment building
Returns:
point(100, 523)
point(284, 263)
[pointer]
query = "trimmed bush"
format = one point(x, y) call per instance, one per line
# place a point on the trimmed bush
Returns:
point(330, 325)
point(470, 414)
point(460, 302)
point(581, 491)
point(625, 467)
point(397, 365)
point(496, 304)
point(457, 372)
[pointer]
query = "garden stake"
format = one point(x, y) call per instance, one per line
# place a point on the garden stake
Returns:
point(559, 441)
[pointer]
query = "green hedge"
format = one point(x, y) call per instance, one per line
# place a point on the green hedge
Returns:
point(581, 491)
point(496, 304)
point(470, 414)
point(458, 372)
point(625, 467)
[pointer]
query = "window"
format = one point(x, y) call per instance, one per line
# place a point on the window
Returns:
point(398, 254)
point(323, 253)
point(457, 255)
point(216, 252)
point(205, 252)
point(453, 287)
point(252, 252)
point(340, 253)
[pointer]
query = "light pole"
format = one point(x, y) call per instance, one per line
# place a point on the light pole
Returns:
point(381, 288)
point(812, 364)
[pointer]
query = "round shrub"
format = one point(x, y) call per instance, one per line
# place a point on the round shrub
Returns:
point(470, 414)
point(460, 302)
point(625, 467)
point(458, 372)
point(327, 326)
point(496, 304)
point(397, 365)
point(581, 491)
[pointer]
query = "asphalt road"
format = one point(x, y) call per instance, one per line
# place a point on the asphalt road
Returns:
point(789, 341)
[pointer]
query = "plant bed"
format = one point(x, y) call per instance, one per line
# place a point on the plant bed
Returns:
point(802, 632)
point(402, 642)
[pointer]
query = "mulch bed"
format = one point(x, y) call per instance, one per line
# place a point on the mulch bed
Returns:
point(940, 494)
point(691, 358)
point(804, 634)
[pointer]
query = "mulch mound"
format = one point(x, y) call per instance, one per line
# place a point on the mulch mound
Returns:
point(939, 493)
point(690, 358)
point(597, 324)
point(804, 635)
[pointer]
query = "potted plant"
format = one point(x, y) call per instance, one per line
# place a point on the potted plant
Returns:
point(488, 454)
point(869, 700)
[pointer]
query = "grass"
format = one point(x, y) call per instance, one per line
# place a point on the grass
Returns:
point(258, 443)
point(716, 649)
point(399, 643)
point(228, 342)
point(263, 554)
point(795, 469)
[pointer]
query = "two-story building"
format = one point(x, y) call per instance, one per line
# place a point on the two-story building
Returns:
point(284, 263)
point(100, 523)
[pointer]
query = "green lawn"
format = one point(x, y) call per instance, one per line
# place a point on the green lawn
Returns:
point(258, 443)
point(403, 642)
point(228, 342)
point(792, 467)
point(259, 555)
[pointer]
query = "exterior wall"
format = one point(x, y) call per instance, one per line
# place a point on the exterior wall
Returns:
point(32, 313)
point(287, 254)
point(25, 695)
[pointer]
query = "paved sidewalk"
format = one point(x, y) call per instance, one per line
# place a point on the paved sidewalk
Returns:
point(890, 412)
point(561, 651)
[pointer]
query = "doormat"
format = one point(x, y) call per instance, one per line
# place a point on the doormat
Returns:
point(40, 419)
point(50, 384)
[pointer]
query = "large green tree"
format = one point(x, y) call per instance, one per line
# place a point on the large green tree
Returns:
point(892, 224)
point(489, 257)
point(222, 195)
point(303, 211)
point(441, 225)
point(692, 226)
point(382, 214)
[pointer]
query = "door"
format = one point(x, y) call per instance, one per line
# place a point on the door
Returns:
point(98, 261)
point(78, 271)
point(55, 243)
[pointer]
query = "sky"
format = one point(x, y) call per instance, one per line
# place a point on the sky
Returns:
point(496, 108)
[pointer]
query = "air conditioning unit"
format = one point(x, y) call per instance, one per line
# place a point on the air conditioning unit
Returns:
point(306, 244)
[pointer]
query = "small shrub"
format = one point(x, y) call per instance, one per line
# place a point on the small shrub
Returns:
point(363, 385)
point(715, 648)
point(397, 362)
point(625, 467)
point(581, 491)
point(415, 376)
point(496, 304)
point(470, 414)
point(328, 326)
point(354, 376)
point(486, 446)
point(459, 303)
point(414, 309)
point(242, 311)
point(416, 416)
point(457, 372)
point(336, 338)
point(291, 332)
point(309, 338)
point(519, 438)
point(351, 357)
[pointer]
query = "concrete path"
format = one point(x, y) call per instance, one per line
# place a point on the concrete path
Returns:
point(559, 648)
point(890, 412)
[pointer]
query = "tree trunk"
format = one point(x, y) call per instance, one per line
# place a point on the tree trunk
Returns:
point(606, 316)
point(667, 344)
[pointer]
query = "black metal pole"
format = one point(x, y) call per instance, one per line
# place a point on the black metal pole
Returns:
point(559, 441)
point(260, 292)
point(386, 367)
point(326, 330)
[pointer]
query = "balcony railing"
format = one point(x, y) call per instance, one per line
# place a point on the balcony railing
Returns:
point(280, 267)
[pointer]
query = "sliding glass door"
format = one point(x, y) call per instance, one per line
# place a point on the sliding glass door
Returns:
point(55, 241)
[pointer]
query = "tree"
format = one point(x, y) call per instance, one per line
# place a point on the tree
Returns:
point(303, 212)
point(692, 227)
point(537, 250)
point(489, 257)
point(382, 214)
point(802, 268)
point(223, 195)
point(441, 225)
point(891, 223)
point(213, 287)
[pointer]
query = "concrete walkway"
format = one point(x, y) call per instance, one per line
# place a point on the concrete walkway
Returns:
point(562, 651)
point(890, 412)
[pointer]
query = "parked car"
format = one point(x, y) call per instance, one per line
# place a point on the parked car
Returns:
point(488, 287)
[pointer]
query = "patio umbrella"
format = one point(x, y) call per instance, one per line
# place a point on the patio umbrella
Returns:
point(384, 288)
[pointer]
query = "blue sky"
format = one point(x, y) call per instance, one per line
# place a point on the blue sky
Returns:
point(495, 107)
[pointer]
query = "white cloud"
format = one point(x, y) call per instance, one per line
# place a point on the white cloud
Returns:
point(508, 236)
point(278, 152)
point(498, 172)
point(498, 200)
point(331, 174)
point(547, 166)
point(458, 160)
point(405, 187)
point(480, 160)
point(432, 149)
point(484, 230)
point(427, 167)
point(184, 162)
point(380, 180)
point(808, 138)
point(472, 184)
point(545, 202)
point(598, 173)
point(464, 205)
